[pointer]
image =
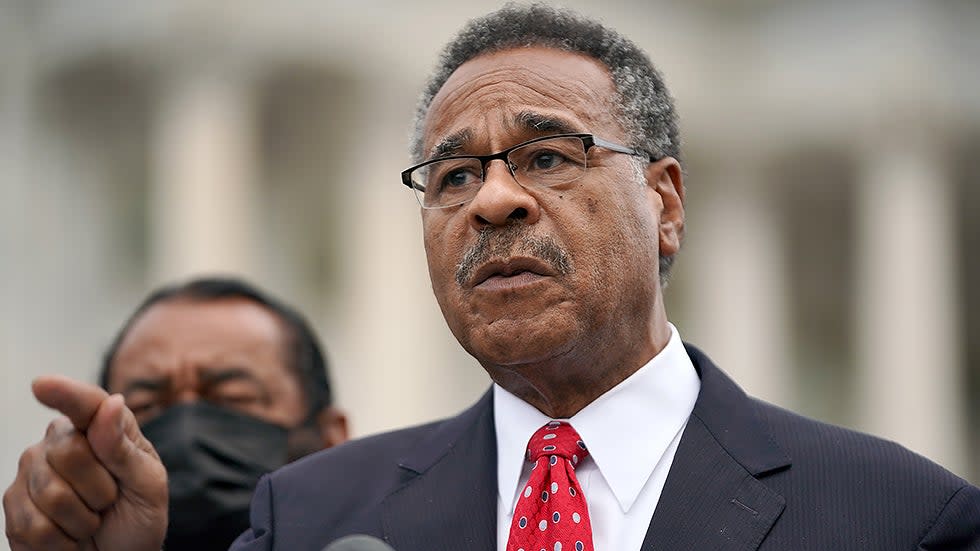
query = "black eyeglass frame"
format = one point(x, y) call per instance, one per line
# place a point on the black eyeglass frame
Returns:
point(588, 142)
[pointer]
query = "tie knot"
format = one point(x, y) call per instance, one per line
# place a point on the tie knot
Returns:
point(557, 438)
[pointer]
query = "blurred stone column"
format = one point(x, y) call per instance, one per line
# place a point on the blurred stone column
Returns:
point(21, 300)
point(738, 295)
point(909, 354)
point(379, 372)
point(396, 361)
point(203, 175)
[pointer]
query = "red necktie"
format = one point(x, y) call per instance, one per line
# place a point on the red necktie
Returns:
point(551, 513)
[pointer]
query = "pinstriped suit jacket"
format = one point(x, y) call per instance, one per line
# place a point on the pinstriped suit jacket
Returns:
point(747, 476)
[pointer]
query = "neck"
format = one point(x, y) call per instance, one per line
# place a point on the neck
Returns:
point(563, 385)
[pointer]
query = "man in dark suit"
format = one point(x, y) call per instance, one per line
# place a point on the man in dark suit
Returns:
point(602, 429)
point(226, 383)
point(549, 268)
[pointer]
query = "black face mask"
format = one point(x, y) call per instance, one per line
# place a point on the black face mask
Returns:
point(214, 458)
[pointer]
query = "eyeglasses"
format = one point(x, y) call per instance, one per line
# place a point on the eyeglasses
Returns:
point(542, 162)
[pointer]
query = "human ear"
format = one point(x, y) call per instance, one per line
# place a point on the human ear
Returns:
point(332, 424)
point(665, 183)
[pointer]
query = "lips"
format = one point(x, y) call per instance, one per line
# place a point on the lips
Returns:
point(511, 268)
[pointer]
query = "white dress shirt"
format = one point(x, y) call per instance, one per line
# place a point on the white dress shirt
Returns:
point(632, 432)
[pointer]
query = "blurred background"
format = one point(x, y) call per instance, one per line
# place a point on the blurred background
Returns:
point(832, 155)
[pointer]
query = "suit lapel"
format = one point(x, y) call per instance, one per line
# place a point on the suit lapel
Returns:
point(449, 500)
point(713, 498)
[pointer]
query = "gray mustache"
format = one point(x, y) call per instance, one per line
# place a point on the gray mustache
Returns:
point(511, 241)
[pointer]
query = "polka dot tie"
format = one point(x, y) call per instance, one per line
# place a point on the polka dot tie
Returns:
point(551, 513)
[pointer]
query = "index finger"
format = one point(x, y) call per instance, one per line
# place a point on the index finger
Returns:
point(77, 400)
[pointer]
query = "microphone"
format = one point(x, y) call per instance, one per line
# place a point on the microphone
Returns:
point(358, 542)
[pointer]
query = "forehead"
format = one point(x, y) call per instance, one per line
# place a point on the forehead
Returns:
point(494, 93)
point(232, 331)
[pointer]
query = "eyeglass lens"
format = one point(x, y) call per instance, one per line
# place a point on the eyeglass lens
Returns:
point(544, 163)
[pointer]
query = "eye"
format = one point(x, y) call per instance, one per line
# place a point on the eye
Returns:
point(545, 160)
point(144, 407)
point(234, 394)
point(449, 175)
point(459, 177)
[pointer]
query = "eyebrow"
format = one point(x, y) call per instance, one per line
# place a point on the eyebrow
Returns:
point(208, 377)
point(451, 144)
point(528, 121)
point(218, 375)
point(544, 124)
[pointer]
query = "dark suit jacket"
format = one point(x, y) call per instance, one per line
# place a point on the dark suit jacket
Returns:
point(747, 475)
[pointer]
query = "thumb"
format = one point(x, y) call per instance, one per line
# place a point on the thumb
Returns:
point(138, 519)
point(120, 446)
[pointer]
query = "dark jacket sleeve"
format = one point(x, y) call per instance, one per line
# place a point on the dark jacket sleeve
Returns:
point(957, 526)
point(259, 536)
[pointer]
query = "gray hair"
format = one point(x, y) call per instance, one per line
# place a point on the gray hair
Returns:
point(646, 109)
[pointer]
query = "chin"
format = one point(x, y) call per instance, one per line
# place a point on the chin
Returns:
point(513, 344)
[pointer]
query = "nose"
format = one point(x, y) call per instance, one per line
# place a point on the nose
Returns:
point(185, 395)
point(185, 384)
point(501, 200)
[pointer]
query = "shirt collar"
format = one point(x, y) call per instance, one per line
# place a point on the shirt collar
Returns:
point(627, 429)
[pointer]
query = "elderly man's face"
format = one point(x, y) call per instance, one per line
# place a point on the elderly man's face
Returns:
point(230, 352)
point(531, 275)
